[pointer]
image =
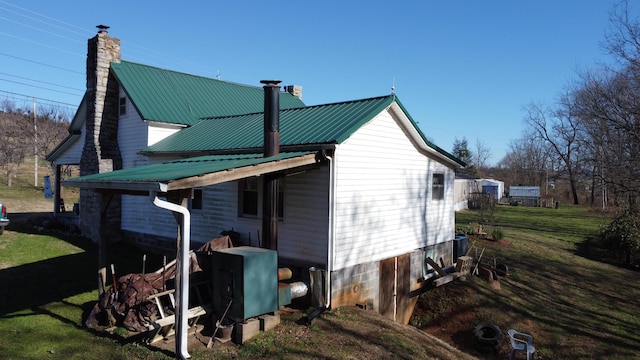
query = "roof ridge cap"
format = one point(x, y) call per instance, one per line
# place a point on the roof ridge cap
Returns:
point(185, 73)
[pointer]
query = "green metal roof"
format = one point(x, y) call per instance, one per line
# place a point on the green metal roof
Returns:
point(178, 98)
point(321, 124)
point(179, 169)
point(306, 126)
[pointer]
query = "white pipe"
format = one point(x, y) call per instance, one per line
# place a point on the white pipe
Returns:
point(182, 273)
point(332, 228)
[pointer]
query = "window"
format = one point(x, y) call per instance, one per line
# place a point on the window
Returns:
point(196, 202)
point(437, 187)
point(248, 193)
point(123, 105)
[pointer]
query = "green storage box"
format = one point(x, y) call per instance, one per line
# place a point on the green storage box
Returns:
point(248, 277)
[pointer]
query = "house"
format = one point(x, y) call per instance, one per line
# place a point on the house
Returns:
point(493, 187)
point(469, 188)
point(353, 189)
point(464, 186)
point(524, 195)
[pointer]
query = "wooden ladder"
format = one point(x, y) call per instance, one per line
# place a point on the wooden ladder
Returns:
point(164, 327)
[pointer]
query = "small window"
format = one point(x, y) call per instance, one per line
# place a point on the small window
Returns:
point(248, 194)
point(196, 202)
point(123, 105)
point(437, 187)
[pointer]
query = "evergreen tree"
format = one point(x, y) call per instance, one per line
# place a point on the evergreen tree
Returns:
point(462, 152)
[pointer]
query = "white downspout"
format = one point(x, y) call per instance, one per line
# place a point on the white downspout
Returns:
point(332, 228)
point(182, 273)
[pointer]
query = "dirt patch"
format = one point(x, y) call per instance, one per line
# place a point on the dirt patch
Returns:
point(344, 333)
point(456, 330)
point(449, 313)
point(28, 206)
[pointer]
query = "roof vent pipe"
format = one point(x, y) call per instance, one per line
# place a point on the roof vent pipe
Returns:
point(271, 117)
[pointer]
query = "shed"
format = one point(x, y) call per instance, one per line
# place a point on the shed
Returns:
point(524, 195)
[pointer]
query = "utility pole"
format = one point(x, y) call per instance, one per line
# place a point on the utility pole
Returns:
point(35, 145)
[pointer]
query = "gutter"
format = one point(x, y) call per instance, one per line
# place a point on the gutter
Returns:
point(182, 273)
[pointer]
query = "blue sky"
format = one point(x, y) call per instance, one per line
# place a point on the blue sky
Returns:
point(462, 68)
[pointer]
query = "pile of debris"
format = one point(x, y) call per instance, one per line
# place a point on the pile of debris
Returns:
point(128, 305)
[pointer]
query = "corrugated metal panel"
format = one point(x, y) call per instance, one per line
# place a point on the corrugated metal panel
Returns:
point(181, 169)
point(322, 124)
point(173, 97)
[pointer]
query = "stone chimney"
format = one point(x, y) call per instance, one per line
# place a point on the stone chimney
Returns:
point(101, 152)
point(294, 90)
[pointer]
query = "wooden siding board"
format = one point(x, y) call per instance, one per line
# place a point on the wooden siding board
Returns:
point(384, 205)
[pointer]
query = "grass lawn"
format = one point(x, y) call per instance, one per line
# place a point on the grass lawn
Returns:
point(576, 307)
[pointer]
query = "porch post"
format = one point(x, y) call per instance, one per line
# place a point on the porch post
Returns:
point(104, 199)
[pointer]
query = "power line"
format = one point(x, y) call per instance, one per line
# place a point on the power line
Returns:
point(40, 63)
point(42, 82)
point(25, 97)
point(38, 29)
point(51, 22)
point(38, 87)
point(43, 16)
point(41, 44)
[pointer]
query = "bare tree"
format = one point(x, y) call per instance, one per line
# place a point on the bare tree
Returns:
point(25, 136)
point(609, 105)
point(559, 128)
point(13, 148)
point(52, 126)
point(527, 161)
point(482, 156)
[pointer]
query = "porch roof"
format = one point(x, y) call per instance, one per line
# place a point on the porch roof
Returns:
point(192, 172)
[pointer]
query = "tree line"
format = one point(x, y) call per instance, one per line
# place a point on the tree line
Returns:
point(591, 136)
point(585, 147)
point(24, 134)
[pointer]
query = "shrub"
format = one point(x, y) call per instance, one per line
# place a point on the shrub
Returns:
point(622, 236)
point(497, 234)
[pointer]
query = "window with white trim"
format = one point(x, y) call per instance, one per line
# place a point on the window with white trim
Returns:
point(250, 193)
point(437, 187)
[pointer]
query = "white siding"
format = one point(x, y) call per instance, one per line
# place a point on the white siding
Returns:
point(73, 153)
point(383, 196)
point(140, 215)
point(132, 137)
point(159, 131)
point(302, 235)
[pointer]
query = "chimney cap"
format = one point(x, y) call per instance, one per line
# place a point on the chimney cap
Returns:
point(103, 28)
point(270, 82)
